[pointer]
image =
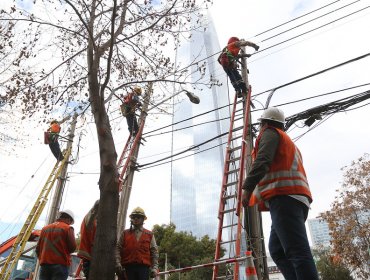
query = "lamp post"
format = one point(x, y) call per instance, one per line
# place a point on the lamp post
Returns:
point(192, 97)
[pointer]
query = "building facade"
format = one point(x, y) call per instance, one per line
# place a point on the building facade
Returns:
point(196, 178)
point(319, 232)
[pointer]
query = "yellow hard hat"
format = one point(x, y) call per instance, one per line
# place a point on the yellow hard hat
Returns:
point(138, 211)
point(137, 90)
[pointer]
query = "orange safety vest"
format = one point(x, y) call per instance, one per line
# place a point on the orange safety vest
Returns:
point(87, 239)
point(136, 251)
point(52, 245)
point(233, 49)
point(286, 175)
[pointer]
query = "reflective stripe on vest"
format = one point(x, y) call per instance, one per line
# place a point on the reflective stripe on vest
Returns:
point(87, 239)
point(53, 244)
point(286, 175)
point(136, 251)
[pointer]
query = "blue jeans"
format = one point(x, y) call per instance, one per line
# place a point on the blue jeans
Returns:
point(53, 272)
point(288, 244)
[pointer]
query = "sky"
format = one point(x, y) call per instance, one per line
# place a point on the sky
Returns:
point(326, 149)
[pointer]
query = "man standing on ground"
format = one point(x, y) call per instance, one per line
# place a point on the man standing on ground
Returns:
point(136, 251)
point(56, 243)
point(277, 183)
point(88, 230)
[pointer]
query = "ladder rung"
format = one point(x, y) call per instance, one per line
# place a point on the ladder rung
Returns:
point(228, 241)
point(229, 210)
point(231, 225)
point(236, 138)
point(233, 159)
point(231, 183)
point(235, 149)
point(229, 196)
point(232, 171)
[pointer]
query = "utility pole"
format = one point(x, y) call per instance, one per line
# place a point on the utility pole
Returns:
point(127, 186)
point(58, 195)
point(253, 217)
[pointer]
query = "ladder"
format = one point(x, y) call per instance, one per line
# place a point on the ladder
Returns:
point(230, 207)
point(130, 146)
point(24, 234)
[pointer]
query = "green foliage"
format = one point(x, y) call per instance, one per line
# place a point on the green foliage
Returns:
point(184, 250)
point(330, 268)
point(349, 218)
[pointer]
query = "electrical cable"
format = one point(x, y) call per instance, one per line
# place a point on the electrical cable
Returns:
point(277, 26)
point(314, 74)
point(299, 25)
point(304, 33)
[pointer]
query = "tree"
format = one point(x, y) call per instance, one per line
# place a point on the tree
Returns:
point(182, 250)
point(349, 218)
point(74, 56)
point(329, 268)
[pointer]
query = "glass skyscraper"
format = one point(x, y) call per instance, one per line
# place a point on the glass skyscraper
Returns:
point(196, 179)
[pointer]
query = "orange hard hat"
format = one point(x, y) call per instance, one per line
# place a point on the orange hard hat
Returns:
point(232, 40)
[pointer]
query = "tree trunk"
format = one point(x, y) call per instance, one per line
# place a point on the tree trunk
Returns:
point(102, 266)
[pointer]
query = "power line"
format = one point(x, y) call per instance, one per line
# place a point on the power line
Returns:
point(304, 33)
point(277, 26)
point(314, 74)
point(299, 25)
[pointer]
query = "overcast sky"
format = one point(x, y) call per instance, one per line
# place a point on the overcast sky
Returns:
point(326, 149)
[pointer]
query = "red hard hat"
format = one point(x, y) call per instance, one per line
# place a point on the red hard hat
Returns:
point(232, 40)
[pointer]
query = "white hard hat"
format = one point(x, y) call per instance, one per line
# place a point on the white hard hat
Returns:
point(69, 213)
point(273, 114)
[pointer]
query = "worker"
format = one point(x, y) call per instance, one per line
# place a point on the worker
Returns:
point(277, 183)
point(228, 59)
point(53, 249)
point(87, 236)
point(130, 102)
point(52, 138)
point(136, 250)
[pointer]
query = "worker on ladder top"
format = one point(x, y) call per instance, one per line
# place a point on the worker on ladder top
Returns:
point(52, 135)
point(228, 59)
point(131, 102)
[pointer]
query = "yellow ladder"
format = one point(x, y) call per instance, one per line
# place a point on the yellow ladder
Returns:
point(32, 219)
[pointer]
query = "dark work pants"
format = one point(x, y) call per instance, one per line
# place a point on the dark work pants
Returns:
point(135, 272)
point(86, 268)
point(53, 272)
point(236, 80)
point(288, 244)
point(133, 127)
point(55, 149)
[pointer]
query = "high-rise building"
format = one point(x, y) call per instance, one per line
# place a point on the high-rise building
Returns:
point(196, 179)
point(319, 231)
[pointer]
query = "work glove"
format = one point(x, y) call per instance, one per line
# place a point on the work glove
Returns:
point(153, 273)
point(246, 196)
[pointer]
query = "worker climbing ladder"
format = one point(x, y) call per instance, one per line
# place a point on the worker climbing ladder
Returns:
point(127, 163)
point(32, 219)
point(230, 207)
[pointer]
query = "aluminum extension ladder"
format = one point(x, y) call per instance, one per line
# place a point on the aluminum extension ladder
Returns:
point(230, 208)
point(32, 219)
